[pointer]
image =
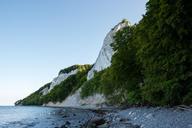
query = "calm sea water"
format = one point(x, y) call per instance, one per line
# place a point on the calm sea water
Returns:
point(40, 117)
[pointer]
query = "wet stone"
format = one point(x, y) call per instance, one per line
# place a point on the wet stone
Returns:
point(65, 116)
point(67, 123)
point(124, 120)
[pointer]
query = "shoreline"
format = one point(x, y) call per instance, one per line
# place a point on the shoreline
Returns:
point(184, 107)
point(127, 117)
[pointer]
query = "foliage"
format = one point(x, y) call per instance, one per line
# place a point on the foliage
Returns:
point(92, 86)
point(61, 91)
point(67, 87)
point(71, 68)
point(118, 82)
point(188, 98)
point(152, 63)
point(34, 98)
point(165, 49)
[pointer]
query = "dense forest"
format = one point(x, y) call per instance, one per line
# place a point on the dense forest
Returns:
point(153, 59)
point(152, 64)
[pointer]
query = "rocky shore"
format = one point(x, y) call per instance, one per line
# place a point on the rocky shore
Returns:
point(67, 117)
point(135, 117)
point(95, 118)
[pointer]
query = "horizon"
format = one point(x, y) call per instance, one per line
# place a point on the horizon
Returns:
point(39, 38)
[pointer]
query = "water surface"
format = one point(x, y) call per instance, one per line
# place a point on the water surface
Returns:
point(42, 117)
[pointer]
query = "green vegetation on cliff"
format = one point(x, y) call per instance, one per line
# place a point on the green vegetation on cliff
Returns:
point(61, 91)
point(121, 82)
point(67, 87)
point(152, 63)
point(34, 98)
point(164, 41)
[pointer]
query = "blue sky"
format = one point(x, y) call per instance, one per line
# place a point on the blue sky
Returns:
point(40, 37)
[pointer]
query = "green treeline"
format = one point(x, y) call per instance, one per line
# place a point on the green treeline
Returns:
point(34, 98)
point(61, 91)
point(152, 63)
point(68, 86)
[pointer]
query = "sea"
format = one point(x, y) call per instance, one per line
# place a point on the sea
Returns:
point(42, 117)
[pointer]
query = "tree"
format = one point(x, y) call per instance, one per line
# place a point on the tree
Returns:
point(164, 38)
point(122, 80)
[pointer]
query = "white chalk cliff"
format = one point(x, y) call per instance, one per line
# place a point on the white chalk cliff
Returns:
point(74, 100)
point(57, 80)
point(103, 61)
point(61, 77)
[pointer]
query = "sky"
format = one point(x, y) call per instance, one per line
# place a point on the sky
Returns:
point(40, 37)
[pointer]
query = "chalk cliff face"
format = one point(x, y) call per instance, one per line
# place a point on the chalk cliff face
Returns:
point(73, 98)
point(57, 80)
point(104, 59)
point(56, 89)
